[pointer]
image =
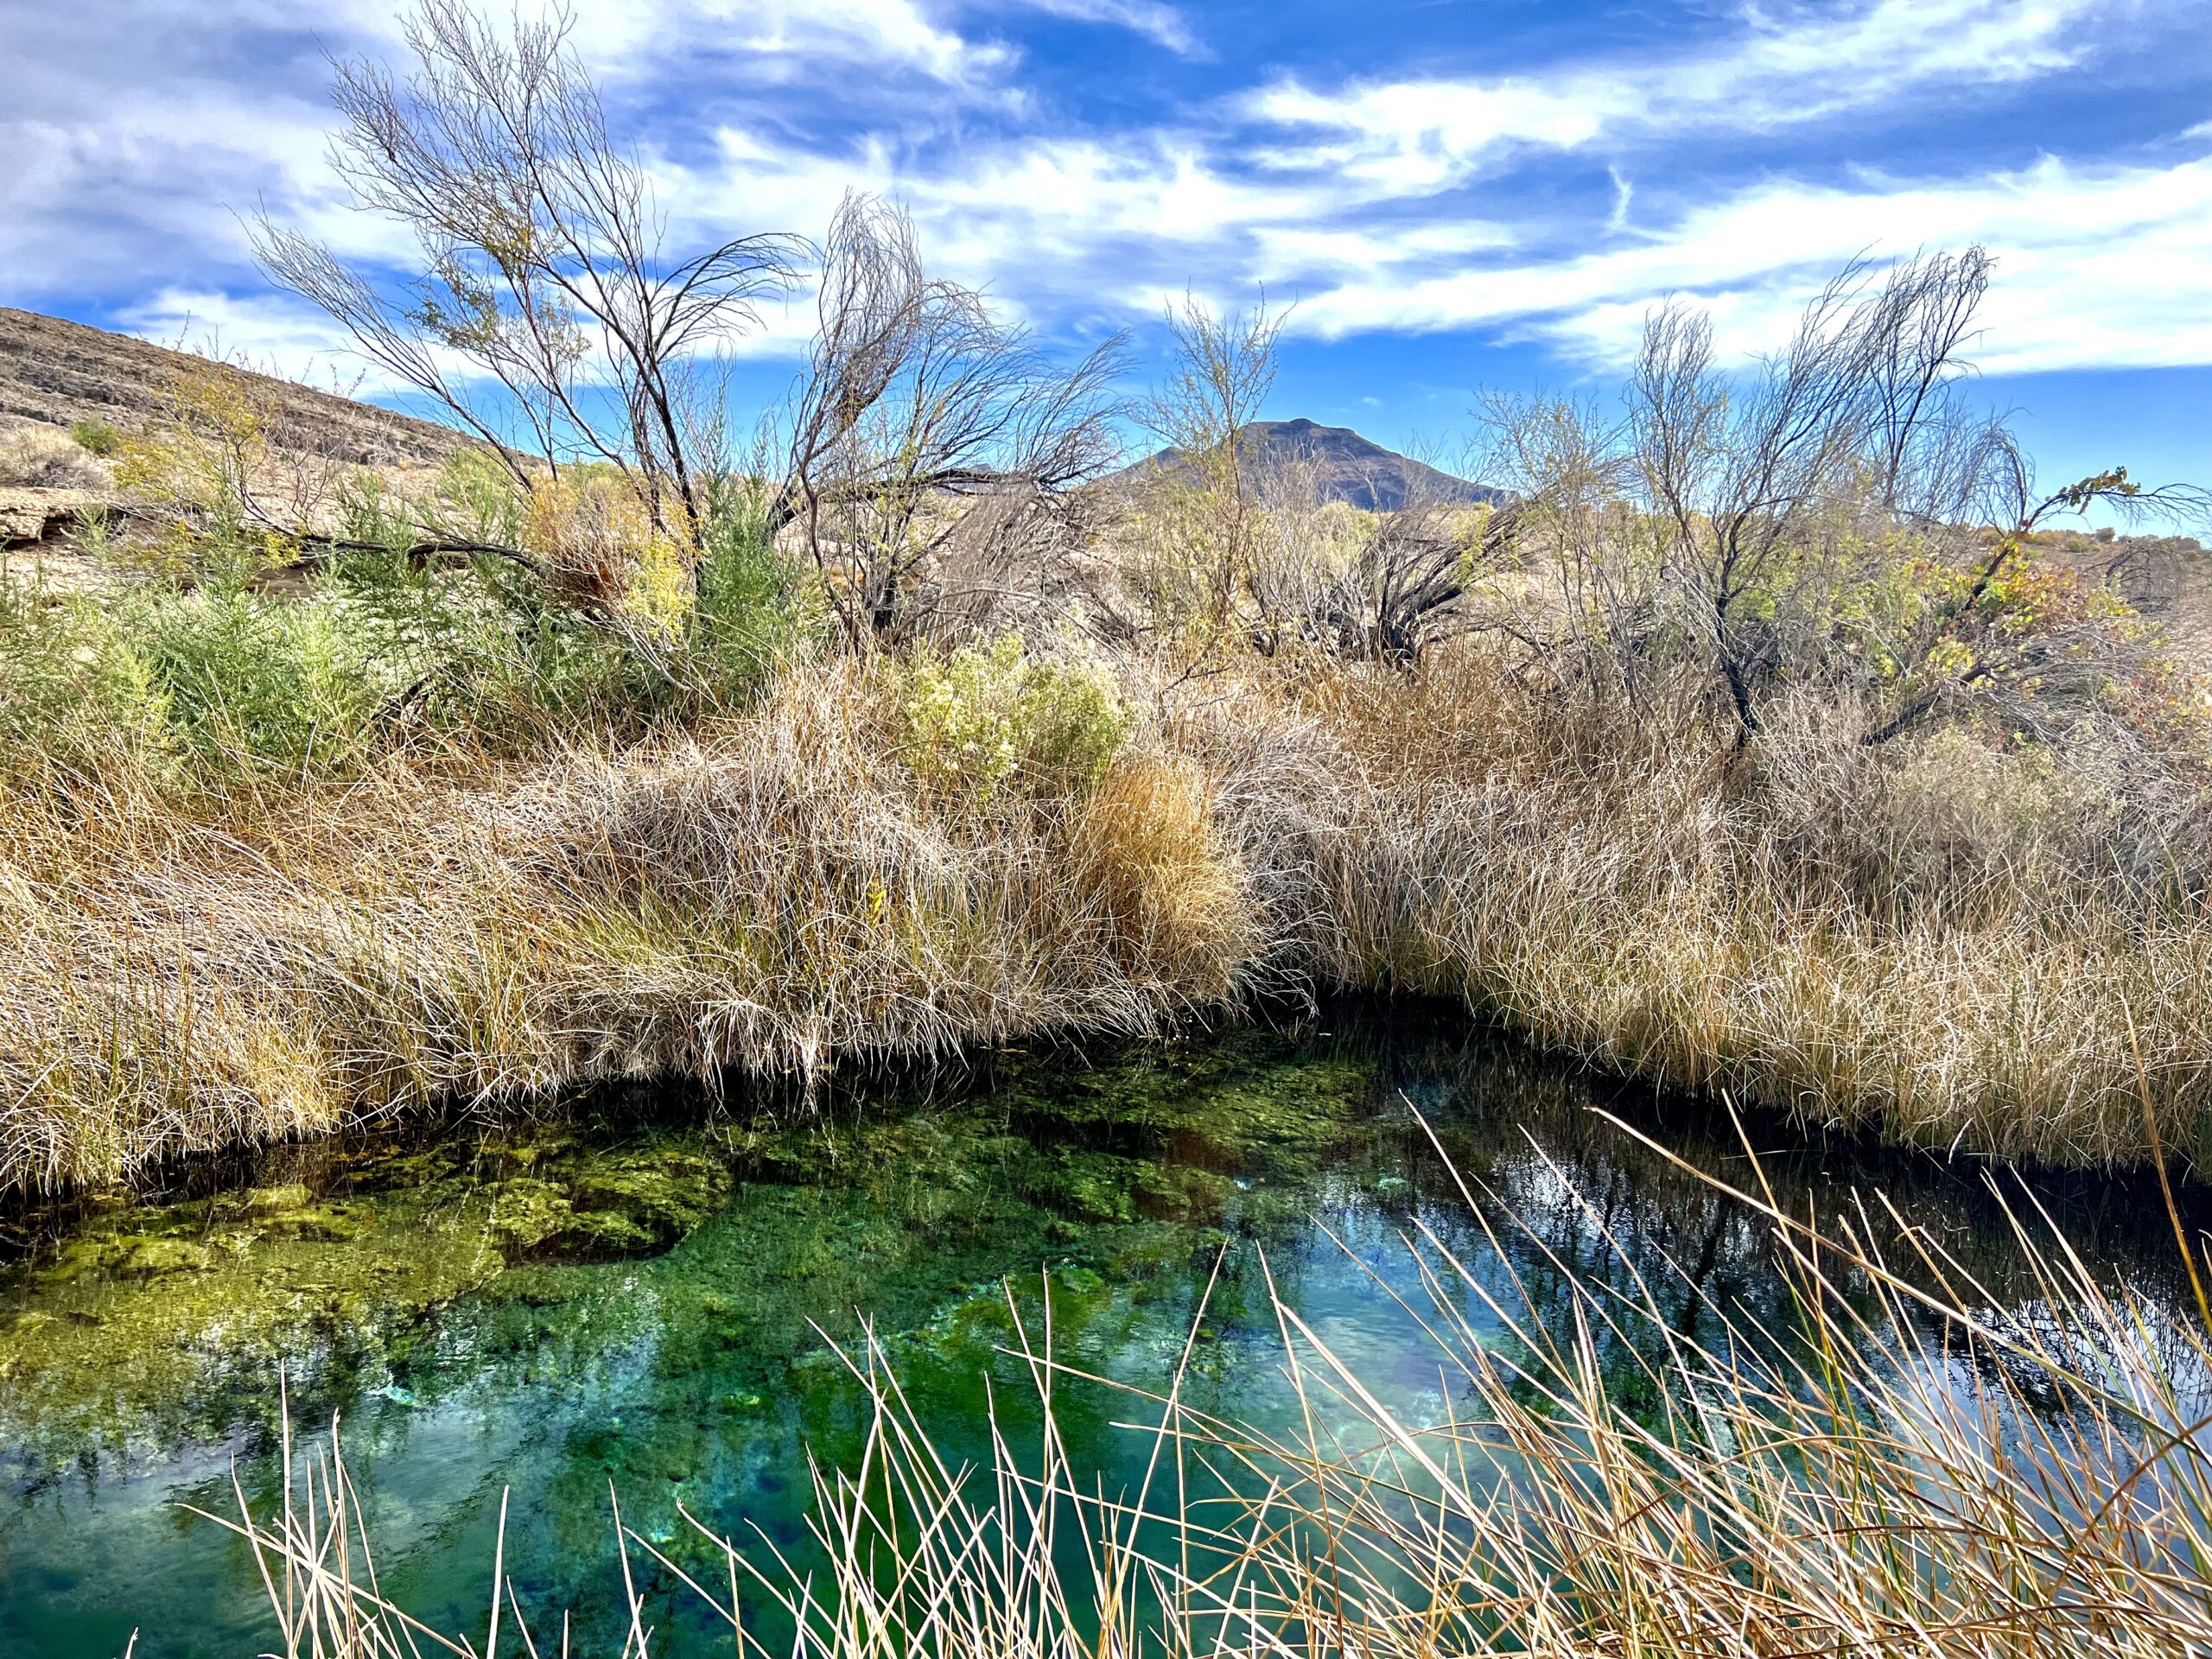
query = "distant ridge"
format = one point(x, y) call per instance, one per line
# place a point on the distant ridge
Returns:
point(1346, 467)
point(55, 372)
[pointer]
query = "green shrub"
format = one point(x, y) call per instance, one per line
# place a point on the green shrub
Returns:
point(477, 499)
point(66, 669)
point(748, 615)
point(981, 718)
point(245, 680)
point(95, 437)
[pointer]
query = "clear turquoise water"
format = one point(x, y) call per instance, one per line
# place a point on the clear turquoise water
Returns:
point(558, 1310)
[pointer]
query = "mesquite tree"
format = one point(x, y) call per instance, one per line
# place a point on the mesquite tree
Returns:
point(924, 433)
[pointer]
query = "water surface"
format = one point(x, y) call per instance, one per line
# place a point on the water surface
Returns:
point(640, 1296)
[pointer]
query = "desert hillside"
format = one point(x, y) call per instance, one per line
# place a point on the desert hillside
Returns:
point(53, 372)
point(1337, 464)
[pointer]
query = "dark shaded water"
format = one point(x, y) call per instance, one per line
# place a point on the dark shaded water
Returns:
point(630, 1301)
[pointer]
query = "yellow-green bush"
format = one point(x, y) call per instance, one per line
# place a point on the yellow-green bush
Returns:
point(980, 718)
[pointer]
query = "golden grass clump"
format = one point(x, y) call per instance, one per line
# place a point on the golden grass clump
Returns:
point(1145, 841)
point(40, 457)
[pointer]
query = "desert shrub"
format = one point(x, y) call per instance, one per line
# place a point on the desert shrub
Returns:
point(475, 499)
point(66, 670)
point(40, 458)
point(749, 613)
point(246, 681)
point(613, 623)
point(980, 718)
point(200, 456)
point(603, 553)
point(370, 513)
point(93, 435)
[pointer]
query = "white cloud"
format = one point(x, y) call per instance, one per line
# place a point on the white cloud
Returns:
point(1413, 136)
point(639, 37)
point(2096, 267)
point(263, 331)
point(1065, 216)
point(121, 167)
point(150, 126)
point(1156, 21)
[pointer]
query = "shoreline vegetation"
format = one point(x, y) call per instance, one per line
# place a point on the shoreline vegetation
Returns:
point(1770, 736)
point(782, 889)
point(301, 831)
point(1763, 739)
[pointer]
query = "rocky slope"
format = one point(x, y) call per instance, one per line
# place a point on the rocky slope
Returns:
point(1334, 463)
point(53, 372)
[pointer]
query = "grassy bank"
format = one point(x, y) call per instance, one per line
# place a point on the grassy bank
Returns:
point(809, 882)
point(1934, 942)
point(774, 893)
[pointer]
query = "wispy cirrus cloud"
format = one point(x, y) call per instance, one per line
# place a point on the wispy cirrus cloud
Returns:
point(1167, 25)
point(2097, 266)
point(1381, 177)
point(1422, 134)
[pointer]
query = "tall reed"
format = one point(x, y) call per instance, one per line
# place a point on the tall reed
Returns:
point(1943, 947)
point(1913, 1468)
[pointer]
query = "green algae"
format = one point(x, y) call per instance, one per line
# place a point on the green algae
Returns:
point(634, 1297)
point(162, 1320)
point(150, 1323)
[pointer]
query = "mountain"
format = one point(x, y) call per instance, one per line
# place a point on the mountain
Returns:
point(52, 372)
point(1345, 467)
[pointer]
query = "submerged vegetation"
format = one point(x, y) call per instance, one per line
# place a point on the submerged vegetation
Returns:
point(414, 1257)
point(481, 1307)
point(1896, 1463)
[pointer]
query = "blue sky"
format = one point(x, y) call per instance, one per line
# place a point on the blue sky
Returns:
point(1450, 196)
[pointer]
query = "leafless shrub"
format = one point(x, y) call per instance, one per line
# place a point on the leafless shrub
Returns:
point(1589, 598)
point(227, 453)
point(1403, 588)
point(1839, 514)
point(1741, 478)
point(543, 262)
point(918, 411)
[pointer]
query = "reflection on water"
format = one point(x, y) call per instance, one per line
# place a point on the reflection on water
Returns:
point(636, 1298)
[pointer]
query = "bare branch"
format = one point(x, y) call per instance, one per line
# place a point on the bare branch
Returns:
point(914, 399)
point(542, 284)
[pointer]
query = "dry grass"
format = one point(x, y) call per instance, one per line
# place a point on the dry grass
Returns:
point(1864, 949)
point(774, 893)
point(36, 457)
point(779, 891)
point(1913, 1469)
